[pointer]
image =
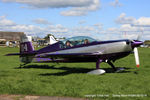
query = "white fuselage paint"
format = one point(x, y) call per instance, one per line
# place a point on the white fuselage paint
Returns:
point(107, 48)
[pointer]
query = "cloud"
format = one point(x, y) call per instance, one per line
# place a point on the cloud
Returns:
point(113, 30)
point(52, 3)
point(142, 22)
point(125, 30)
point(83, 29)
point(133, 27)
point(57, 29)
point(8, 25)
point(32, 29)
point(98, 26)
point(22, 28)
point(73, 13)
point(82, 22)
point(129, 28)
point(122, 19)
point(41, 21)
point(76, 7)
point(80, 11)
point(6, 22)
point(95, 30)
point(116, 3)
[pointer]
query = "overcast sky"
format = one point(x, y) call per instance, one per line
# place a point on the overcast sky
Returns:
point(101, 19)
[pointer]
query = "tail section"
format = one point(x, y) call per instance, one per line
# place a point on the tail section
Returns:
point(26, 48)
point(26, 44)
point(27, 52)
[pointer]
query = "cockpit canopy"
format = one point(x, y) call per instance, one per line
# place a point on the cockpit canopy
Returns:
point(78, 40)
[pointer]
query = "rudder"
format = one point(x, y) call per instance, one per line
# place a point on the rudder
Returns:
point(26, 48)
point(26, 44)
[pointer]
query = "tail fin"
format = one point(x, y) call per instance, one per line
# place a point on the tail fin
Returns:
point(52, 40)
point(26, 48)
point(26, 44)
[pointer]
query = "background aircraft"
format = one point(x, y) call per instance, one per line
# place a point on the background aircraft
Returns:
point(79, 49)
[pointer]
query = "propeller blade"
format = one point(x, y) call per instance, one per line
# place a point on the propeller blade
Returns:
point(139, 37)
point(136, 57)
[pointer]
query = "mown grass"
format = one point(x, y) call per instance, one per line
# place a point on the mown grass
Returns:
point(71, 80)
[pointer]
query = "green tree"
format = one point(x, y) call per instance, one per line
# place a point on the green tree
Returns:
point(47, 36)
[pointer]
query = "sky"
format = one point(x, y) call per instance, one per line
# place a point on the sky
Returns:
point(100, 19)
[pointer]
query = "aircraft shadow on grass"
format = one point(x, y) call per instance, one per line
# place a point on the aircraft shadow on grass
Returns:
point(68, 70)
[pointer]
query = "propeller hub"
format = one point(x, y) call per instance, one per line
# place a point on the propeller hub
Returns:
point(136, 43)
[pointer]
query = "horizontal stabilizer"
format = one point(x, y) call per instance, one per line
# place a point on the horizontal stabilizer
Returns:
point(20, 54)
point(12, 54)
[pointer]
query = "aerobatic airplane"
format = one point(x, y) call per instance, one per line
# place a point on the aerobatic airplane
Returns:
point(79, 49)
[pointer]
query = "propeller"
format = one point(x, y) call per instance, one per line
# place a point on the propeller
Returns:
point(139, 36)
point(137, 43)
point(136, 57)
point(134, 44)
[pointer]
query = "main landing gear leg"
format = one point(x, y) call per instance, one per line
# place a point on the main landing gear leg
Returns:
point(98, 71)
point(115, 69)
point(98, 63)
point(112, 65)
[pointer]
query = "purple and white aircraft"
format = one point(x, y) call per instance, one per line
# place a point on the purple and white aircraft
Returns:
point(79, 49)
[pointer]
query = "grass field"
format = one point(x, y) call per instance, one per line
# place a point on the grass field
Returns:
point(71, 80)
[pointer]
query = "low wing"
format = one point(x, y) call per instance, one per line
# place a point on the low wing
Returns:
point(47, 55)
point(67, 57)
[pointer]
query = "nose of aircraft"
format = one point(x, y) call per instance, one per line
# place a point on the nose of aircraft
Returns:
point(136, 43)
